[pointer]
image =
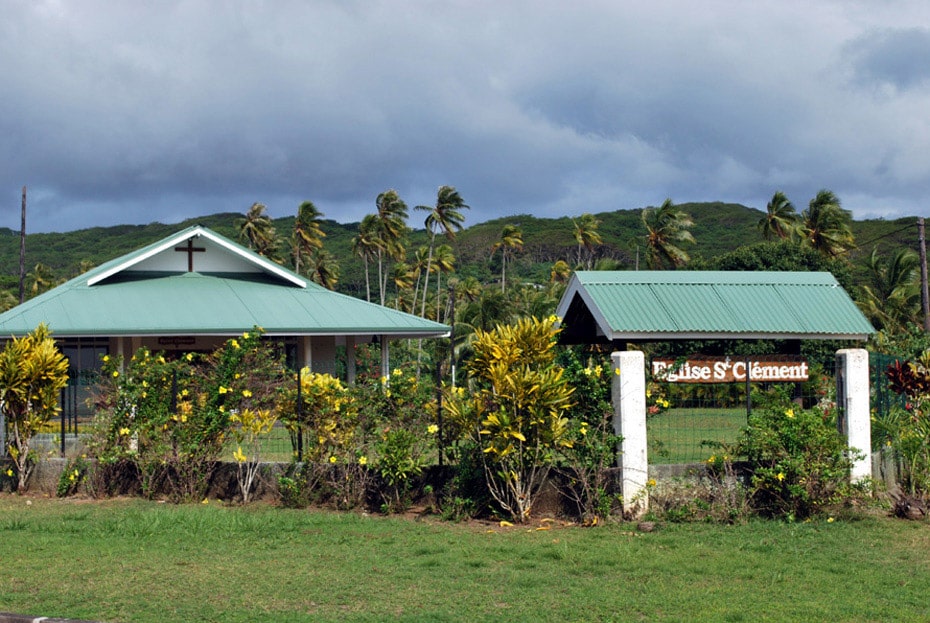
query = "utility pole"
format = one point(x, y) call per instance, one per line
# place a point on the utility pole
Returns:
point(924, 298)
point(22, 253)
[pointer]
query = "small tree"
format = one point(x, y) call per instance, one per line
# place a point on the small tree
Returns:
point(32, 373)
point(515, 409)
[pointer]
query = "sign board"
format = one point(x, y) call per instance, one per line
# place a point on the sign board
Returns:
point(184, 340)
point(769, 369)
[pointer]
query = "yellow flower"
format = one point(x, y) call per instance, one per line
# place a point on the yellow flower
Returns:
point(397, 372)
point(790, 414)
point(189, 356)
point(115, 373)
point(223, 390)
point(222, 409)
point(183, 418)
point(363, 460)
point(184, 392)
point(247, 393)
point(245, 335)
point(651, 482)
point(780, 476)
point(9, 472)
point(234, 343)
point(205, 501)
point(106, 358)
point(333, 459)
point(830, 520)
point(238, 455)
point(124, 431)
point(432, 429)
point(617, 371)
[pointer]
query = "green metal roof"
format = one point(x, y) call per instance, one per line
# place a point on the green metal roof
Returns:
point(151, 292)
point(603, 306)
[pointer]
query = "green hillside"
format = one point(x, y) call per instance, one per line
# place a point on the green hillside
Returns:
point(718, 228)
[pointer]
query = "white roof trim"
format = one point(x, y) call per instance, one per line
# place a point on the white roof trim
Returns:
point(196, 232)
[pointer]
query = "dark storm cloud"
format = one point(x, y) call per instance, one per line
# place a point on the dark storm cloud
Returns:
point(131, 112)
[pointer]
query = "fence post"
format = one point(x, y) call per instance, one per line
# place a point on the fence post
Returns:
point(628, 393)
point(64, 414)
point(300, 417)
point(852, 401)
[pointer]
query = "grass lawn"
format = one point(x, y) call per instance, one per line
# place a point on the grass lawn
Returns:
point(675, 436)
point(131, 560)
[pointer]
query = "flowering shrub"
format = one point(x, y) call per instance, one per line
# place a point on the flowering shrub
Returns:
point(593, 443)
point(171, 418)
point(249, 429)
point(799, 460)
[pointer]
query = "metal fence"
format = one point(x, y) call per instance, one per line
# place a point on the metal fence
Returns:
point(689, 423)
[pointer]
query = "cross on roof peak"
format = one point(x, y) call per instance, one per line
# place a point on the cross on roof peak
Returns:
point(190, 249)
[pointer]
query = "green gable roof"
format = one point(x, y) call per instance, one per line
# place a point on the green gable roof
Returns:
point(231, 289)
point(604, 306)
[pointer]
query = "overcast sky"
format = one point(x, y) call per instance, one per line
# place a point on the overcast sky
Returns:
point(133, 112)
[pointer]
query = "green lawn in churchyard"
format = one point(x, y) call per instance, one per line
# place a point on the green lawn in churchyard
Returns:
point(133, 560)
point(675, 435)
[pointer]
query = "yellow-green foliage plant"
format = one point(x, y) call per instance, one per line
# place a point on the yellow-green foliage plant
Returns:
point(249, 428)
point(32, 373)
point(516, 409)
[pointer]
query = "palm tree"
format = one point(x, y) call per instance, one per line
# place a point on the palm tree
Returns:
point(511, 240)
point(780, 220)
point(324, 269)
point(365, 245)
point(666, 229)
point(826, 226)
point(445, 217)
point(402, 278)
point(308, 234)
point(7, 300)
point(560, 273)
point(258, 231)
point(890, 298)
point(587, 237)
point(445, 263)
point(391, 231)
point(41, 279)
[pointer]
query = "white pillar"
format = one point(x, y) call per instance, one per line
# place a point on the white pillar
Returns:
point(350, 360)
point(629, 400)
point(385, 357)
point(852, 401)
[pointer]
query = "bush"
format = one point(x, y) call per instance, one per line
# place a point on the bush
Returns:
point(799, 460)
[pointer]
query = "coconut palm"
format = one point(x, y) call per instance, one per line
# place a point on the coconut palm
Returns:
point(323, 269)
point(587, 237)
point(41, 279)
point(560, 273)
point(391, 231)
point(511, 240)
point(780, 220)
point(7, 300)
point(890, 296)
point(666, 229)
point(402, 276)
point(444, 260)
point(365, 245)
point(826, 226)
point(308, 233)
point(446, 217)
point(258, 231)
